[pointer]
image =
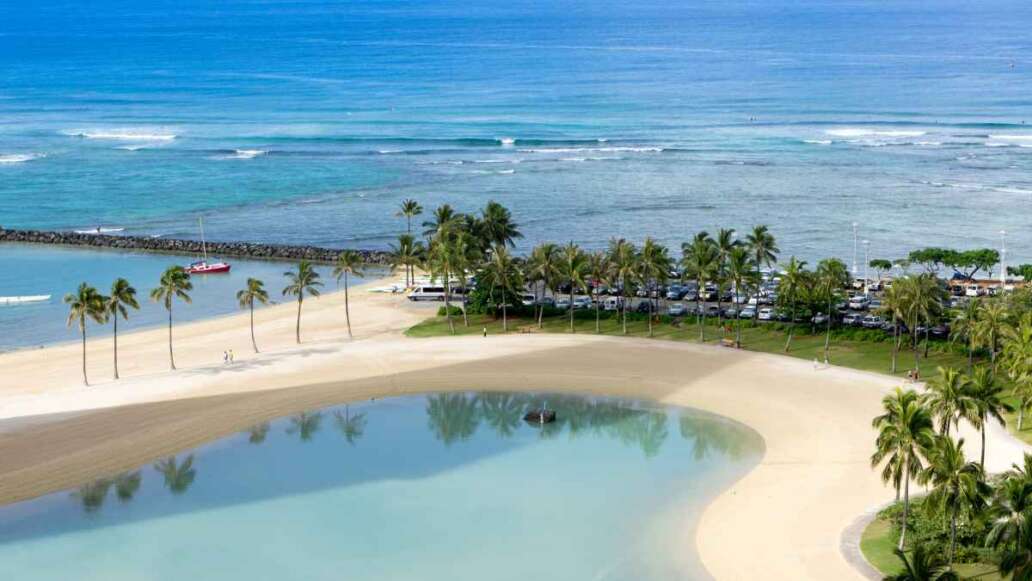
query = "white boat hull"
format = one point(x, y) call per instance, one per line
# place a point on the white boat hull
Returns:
point(24, 299)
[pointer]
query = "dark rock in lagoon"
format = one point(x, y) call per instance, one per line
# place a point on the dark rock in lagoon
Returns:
point(182, 246)
point(540, 416)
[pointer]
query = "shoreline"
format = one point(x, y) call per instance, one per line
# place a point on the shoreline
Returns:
point(811, 483)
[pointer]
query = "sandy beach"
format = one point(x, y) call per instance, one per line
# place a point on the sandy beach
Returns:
point(783, 520)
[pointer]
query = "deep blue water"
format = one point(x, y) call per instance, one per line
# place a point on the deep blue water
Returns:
point(446, 486)
point(308, 121)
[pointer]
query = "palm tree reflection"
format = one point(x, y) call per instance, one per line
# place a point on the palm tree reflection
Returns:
point(305, 425)
point(177, 477)
point(502, 411)
point(453, 416)
point(127, 484)
point(713, 435)
point(258, 432)
point(93, 494)
point(351, 426)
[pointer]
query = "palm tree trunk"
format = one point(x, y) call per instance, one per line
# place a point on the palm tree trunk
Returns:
point(171, 357)
point(906, 504)
point(650, 315)
point(927, 330)
point(82, 325)
point(347, 308)
point(115, 336)
point(981, 461)
point(791, 328)
point(465, 315)
point(571, 307)
point(953, 536)
point(541, 309)
point(623, 309)
point(895, 343)
point(505, 319)
point(698, 306)
point(447, 302)
point(738, 328)
point(253, 342)
point(597, 323)
point(1021, 414)
point(297, 327)
point(827, 334)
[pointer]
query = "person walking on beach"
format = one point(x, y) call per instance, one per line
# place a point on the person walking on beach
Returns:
point(231, 357)
point(225, 357)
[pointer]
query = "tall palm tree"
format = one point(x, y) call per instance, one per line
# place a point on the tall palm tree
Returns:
point(964, 327)
point(764, 249)
point(444, 259)
point(178, 477)
point(1016, 354)
point(700, 261)
point(502, 275)
point(987, 402)
point(992, 319)
point(543, 268)
point(1022, 390)
point(948, 398)
point(921, 297)
point(1010, 511)
point(904, 434)
point(253, 291)
point(894, 306)
point(957, 486)
point(726, 243)
point(304, 280)
point(118, 303)
point(623, 262)
point(832, 276)
point(443, 216)
point(741, 272)
point(174, 283)
point(85, 304)
point(348, 263)
point(497, 226)
point(1016, 560)
point(408, 253)
point(922, 565)
point(653, 269)
point(793, 285)
point(409, 209)
point(598, 271)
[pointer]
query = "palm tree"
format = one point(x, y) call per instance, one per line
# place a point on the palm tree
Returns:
point(726, 243)
point(623, 260)
point(351, 426)
point(832, 277)
point(409, 209)
point(964, 327)
point(992, 319)
point(444, 216)
point(921, 302)
point(407, 253)
point(700, 262)
point(444, 259)
point(653, 269)
point(502, 275)
point(793, 285)
point(922, 565)
point(1010, 511)
point(904, 433)
point(543, 268)
point(178, 477)
point(957, 486)
point(598, 270)
point(86, 303)
point(122, 295)
point(1016, 354)
point(573, 266)
point(987, 402)
point(948, 398)
point(497, 226)
point(1023, 392)
point(741, 272)
point(762, 245)
point(304, 280)
point(1016, 561)
point(174, 282)
point(349, 262)
point(246, 297)
point(894, 306)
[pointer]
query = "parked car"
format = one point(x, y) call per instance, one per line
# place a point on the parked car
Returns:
point(677, 310)
point(748, 312)
point(711, 311)
point(859, 303)
point(612, 304)
point(675, 292)
point(853, 320)
point(562, 303)
point(766, 314)
point(819, 319)
point(644, 307)
point(689, 296)
point(730, 312)
point(872, 322)
point(582, 303)
point(941, 331)
point(973, 290)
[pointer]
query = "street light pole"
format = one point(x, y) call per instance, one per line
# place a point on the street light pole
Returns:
point(867, 247)
point(854, 249)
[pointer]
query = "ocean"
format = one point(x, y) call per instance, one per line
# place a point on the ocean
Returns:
point(309, 121)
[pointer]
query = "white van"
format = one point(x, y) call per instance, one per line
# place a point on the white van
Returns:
point(434, 293)
point(611, 304)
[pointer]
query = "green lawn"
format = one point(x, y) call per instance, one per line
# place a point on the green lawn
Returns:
point(873, 356)
point(879, 541)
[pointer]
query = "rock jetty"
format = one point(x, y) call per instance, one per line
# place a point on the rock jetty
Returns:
point(189, 247)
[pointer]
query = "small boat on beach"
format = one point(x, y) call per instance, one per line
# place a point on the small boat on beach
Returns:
point(100, 230)
point(203, 266)
point(24, 299)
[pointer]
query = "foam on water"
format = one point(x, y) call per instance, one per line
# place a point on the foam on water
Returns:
point(857, 132)
point(122, 134)
point(19, 157)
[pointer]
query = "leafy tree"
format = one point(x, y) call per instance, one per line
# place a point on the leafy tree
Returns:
point(573, 267)
point(794, 283)
point(987, 402)
point(543, 268)
point(409, 209)
point(880, 266)
point(964, 327)
point(949, 399)
point(443, 217)
point(304, 280)
point(932, 259)
point(992, 320)
point(958, 487)
point(85, 304)
point(502, 275)
point(742, 273)
point(497, 226)
point(832, 277)
point(653, 270)
point(1022, 270)
point(117, 304)
point(726, 244)
point(968, 263)
point(349, 262)
point(598, 271)
point(623, 262)
point(922, 565)
point(764, 250)
point(700, 261)
point(408, 254)
point(253, 291)
point(174, 283)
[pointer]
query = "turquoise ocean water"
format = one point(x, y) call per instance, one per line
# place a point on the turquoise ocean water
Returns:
point(452, 487)
point(309, 121)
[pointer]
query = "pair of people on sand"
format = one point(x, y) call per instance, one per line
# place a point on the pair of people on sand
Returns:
point(227, 357)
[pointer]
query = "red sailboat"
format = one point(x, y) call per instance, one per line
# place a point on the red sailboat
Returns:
point(203, 266)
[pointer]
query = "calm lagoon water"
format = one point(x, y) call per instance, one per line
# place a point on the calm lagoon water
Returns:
point(39, 270)
point(447, 486)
